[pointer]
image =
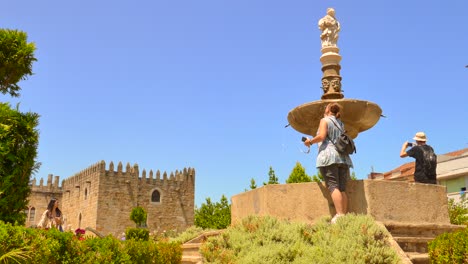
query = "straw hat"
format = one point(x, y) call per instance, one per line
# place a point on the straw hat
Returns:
point(420, 136)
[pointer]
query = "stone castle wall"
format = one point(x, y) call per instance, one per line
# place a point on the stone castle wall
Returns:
point(103, 199)
point(80, 198)
point(40, 196)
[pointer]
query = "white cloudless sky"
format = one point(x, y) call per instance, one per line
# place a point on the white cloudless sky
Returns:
point(208, 84)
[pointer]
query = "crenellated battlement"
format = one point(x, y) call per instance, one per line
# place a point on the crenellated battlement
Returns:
point(52, 184)
point(132, 172)
point(183, 175)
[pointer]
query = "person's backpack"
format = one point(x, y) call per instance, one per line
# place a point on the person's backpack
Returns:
point(430, 160)
point(344, 143)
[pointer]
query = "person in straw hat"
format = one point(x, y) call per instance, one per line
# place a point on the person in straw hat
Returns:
point(426, 159)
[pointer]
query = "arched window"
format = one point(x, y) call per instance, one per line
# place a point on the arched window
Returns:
point(156, 197)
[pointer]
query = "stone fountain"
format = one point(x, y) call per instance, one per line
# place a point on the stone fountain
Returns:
point(357, 115)
point(413, 213)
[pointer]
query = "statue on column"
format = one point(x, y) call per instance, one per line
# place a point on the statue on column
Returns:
point(330, 28)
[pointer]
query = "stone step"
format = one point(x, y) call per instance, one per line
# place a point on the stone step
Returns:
point(413, 244)
point(191, 249)
point(418, 258)
point(420, 230)
point(192, 260)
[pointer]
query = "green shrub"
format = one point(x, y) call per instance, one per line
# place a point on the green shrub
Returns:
point(449, 247)
point(12, 246)
point(153, 252)
point(458, 212)
point(354, 239)
point(53, 246)
point(137, 234)
point(104, 250)
point(19, 244)
point(39, 246)
point(142, 251)
point(138, 215)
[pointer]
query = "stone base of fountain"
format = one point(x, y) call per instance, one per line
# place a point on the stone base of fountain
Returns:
point(385, 201)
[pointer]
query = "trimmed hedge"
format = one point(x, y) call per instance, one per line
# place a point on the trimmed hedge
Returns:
point(137, 234)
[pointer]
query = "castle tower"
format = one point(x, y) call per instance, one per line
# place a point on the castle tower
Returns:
point(103, 199)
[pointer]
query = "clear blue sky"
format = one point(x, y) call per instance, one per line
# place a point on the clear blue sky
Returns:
point(209, 84)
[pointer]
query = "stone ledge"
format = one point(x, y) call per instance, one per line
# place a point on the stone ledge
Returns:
point(385, 201)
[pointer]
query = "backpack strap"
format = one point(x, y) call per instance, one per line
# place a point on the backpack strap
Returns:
point(341, 130)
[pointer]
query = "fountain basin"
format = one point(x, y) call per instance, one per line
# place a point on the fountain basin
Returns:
point(357, 115)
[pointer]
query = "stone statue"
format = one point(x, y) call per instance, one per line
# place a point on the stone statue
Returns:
point(330, 28)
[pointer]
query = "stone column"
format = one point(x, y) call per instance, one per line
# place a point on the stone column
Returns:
point(331, 79)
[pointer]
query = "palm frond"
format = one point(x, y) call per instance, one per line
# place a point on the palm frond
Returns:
point(16, 255)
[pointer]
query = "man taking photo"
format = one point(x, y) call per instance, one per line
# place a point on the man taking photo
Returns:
point(426, 159)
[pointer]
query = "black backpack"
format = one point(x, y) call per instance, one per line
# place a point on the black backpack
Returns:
point(430, 160)
point(344, 143)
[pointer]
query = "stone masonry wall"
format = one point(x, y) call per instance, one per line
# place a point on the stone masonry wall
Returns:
point(40, 197)
point(175, 211)
point(80, 198)
point(103, 199)
point(121, 191)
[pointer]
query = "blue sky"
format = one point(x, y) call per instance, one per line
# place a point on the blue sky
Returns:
point(209, 84)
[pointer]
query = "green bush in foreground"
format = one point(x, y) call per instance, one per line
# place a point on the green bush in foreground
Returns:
point(458, 212)
point(449, 247)
point(354, 239)
point(19, 244)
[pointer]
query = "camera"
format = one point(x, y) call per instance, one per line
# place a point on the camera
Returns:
point(410, 144)
point(304, 139)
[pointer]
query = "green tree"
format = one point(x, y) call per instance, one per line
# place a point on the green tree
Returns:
point(253, 185)
point(353, 176)
point(298, 174)
point(213, 215)
point(19, 139)
point(16, 58)
point(272, 179)
point(138, 215)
